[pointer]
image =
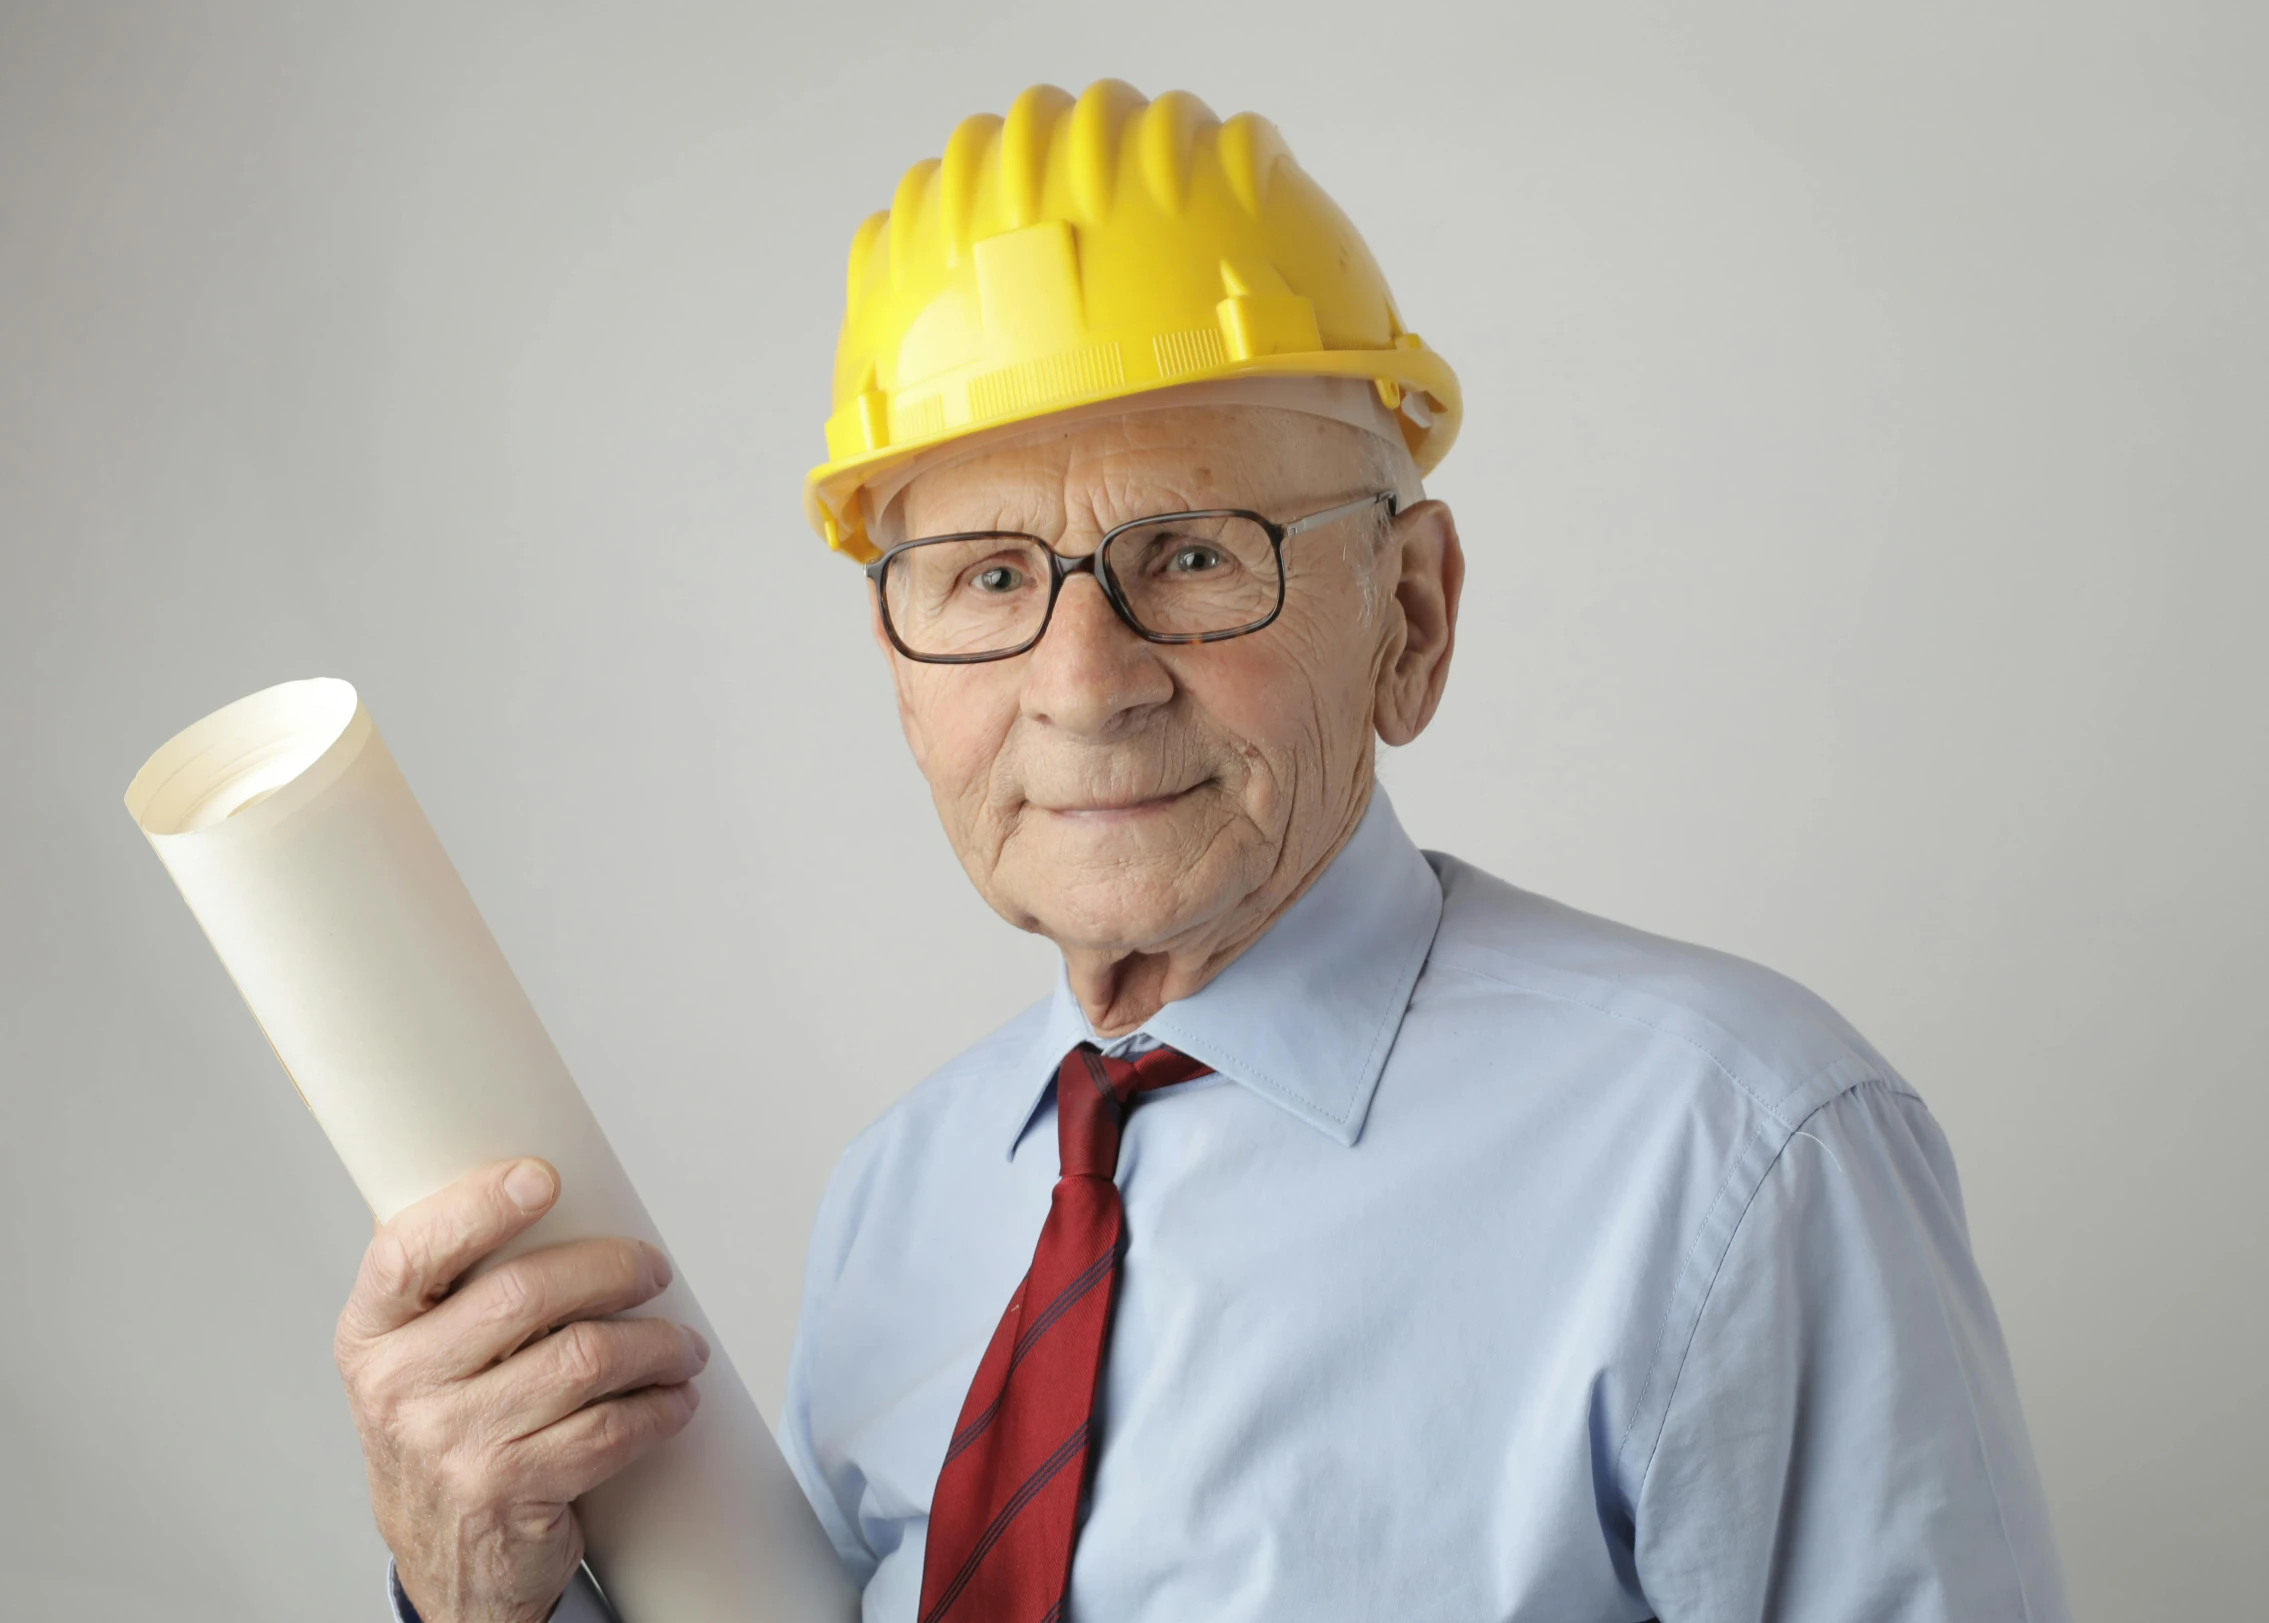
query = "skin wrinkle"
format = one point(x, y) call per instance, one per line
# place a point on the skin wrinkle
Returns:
point(1266, 739)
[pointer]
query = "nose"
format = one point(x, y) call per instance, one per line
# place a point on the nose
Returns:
point(1091, 675)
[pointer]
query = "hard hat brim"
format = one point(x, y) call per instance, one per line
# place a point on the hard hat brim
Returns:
point(831, 490)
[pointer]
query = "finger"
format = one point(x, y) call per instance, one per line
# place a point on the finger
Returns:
point(568, 1459)
point(492, 1317)
point(584, 1363)
point(413, 1260)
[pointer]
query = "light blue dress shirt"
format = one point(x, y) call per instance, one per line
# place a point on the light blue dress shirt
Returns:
point(1514, 1266)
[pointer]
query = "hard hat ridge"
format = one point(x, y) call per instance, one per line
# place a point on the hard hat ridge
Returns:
point(1079, 250)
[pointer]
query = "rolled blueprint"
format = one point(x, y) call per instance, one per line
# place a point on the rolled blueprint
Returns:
point(302, 852)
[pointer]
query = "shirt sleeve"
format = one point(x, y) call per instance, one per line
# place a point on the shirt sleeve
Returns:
point(835, 1501)
point(581, 1604)
point(1843, 1439)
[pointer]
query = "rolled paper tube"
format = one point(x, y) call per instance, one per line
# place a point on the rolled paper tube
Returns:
point(300, 849)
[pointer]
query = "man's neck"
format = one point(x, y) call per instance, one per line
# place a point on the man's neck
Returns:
point(1119, 989)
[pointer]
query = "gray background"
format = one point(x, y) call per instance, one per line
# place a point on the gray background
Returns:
point(1861, 479)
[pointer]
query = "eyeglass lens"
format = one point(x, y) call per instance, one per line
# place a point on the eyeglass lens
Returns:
point(1183, 576)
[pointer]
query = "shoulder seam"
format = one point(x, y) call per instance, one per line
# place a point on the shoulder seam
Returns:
point(1669, 1313)
point(1717, 1268)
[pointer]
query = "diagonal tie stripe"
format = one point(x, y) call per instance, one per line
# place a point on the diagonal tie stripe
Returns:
point(1097, 1272)
point(1042, 1474)
point(1004, 1517)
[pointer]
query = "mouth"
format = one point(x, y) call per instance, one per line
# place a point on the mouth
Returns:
point(1113, 811)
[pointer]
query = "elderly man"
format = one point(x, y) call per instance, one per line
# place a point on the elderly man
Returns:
point(1377, 1241)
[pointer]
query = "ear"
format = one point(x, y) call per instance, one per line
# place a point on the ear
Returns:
point(1415, 663)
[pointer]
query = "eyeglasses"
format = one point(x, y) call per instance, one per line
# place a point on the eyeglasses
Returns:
point(1172, 577)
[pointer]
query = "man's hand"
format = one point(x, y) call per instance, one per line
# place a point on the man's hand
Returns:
point(485, 1411)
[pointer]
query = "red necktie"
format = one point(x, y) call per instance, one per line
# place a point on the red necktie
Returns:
point(1006, 1509)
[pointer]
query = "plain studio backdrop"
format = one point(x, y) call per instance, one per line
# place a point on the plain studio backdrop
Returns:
point(1861, 480)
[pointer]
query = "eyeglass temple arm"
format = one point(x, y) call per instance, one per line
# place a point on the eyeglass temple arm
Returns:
point(1329, 514)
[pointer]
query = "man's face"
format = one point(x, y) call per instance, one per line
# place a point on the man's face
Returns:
point(1122, 796)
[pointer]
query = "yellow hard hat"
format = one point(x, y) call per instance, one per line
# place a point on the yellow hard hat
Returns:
point(1080, 251)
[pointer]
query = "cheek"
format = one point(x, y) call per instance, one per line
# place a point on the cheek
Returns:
point(956, 721)
point(1282, 696)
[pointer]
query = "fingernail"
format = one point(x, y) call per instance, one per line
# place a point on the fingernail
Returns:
point(692, 1396)
point(700, 1344)
point(530, 1185)
point(658, 1267)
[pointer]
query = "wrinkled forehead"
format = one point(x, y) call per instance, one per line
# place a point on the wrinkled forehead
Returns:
point(1255, 444)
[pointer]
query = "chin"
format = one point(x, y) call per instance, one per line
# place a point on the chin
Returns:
point(1126, 885)
point(1129, 912)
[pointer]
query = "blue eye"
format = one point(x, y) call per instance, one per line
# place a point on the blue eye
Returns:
point(1193, 560)
point(999, 578)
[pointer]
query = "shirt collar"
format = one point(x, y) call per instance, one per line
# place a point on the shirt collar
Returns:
point(1304, 1017)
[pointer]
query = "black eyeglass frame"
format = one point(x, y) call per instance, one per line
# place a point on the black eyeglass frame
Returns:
point(1061, 569)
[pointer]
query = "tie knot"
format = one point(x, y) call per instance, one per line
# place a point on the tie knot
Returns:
point(1094, 1093)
